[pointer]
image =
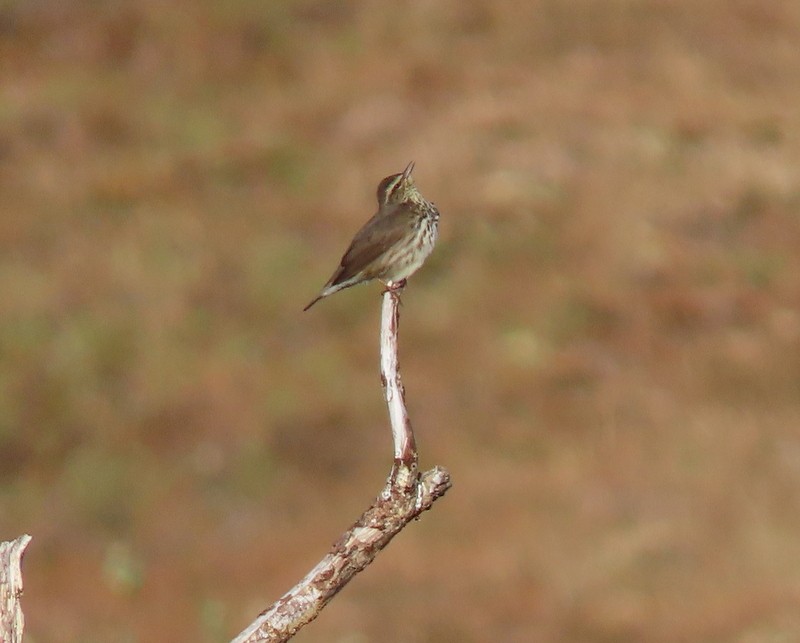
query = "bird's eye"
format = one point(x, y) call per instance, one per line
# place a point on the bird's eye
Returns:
point(388, 187)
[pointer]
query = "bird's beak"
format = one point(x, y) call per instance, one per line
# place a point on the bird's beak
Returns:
point(408, 170)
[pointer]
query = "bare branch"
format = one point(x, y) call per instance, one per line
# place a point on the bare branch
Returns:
point(12, 621)
point(405, 496)
point(405, 449)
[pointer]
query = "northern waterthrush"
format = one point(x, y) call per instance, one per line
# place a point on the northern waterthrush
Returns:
point(394, 243)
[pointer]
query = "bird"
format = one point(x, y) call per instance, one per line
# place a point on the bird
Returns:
point(394, 243)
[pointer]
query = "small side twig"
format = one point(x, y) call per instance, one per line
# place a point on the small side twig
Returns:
point(12, 620)
point(405, 496)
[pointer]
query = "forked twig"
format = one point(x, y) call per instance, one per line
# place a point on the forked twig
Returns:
point(405, 496)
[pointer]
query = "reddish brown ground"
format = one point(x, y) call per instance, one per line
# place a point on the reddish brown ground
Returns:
point(604, 349)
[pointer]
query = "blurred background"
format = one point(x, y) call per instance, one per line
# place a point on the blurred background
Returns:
point(604, 349)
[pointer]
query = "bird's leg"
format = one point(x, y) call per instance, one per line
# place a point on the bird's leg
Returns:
point(395, 287)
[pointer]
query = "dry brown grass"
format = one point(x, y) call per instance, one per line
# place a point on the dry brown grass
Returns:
point(604, 350)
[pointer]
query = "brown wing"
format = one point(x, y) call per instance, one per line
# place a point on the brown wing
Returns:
point(380, 233)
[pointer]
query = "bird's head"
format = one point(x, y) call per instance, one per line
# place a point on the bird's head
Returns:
point(398, 188)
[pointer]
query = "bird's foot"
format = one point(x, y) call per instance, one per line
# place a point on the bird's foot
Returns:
point(395, 287)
